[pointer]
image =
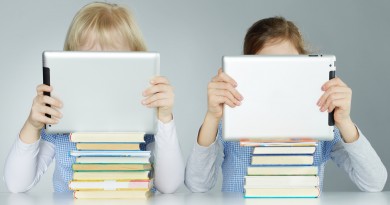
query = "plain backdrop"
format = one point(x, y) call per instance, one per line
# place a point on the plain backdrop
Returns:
point(191, 37)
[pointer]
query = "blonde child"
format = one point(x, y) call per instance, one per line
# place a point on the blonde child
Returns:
point(96, 27)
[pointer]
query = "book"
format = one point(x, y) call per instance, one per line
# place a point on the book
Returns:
point(313, 192)
point(277, 144)
point(282, 170)
point(282, 160)
point(283, 140)
point(111, 185)
point(108, 146)
point(113, 160)
point(284, 150)
point(281, 181)
point(109, 153)
point(107, 137)
point(110, 167)
point(120, 194)
point(110, 175)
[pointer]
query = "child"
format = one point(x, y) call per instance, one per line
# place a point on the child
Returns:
point(349, 149)
point(96, 27)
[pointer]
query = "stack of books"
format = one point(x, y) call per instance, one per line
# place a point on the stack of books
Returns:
point(281, 169)
point(111, 166)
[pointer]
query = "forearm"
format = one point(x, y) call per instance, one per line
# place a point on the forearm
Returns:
point(203, 166)
point(26, 163)
point(208, 131)
point(362, 164)
point(348, 131)
point(168, 160)
point(29, 134)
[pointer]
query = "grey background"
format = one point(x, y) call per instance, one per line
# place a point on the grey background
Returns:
point(191, 37)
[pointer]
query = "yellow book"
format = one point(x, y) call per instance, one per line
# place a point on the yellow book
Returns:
point(122, 194)
point(114, 167)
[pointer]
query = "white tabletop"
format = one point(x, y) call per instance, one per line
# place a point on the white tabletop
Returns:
point(344, 198)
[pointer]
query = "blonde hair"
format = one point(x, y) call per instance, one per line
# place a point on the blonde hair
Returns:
point(103, 20)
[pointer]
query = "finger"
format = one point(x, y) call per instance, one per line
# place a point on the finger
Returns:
point(330, 99)
point(333, 82)
point(155, 97)
point(50, 111)
point(331, 107)
point(223, 77)
point(226, 86)
point(157, 89)
point(225, 93)
point(337, 104)
point(44, 99)
point(159, 80)
point(220, 70)
point(225, 100)
point(43, 88)
point(160, 103)
point(46, 120)
point(330, 91)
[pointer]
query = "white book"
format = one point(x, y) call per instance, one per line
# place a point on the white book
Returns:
point(113, 160)
point(111, 185)
point(282, 170)
point(107, 137)
point(116, 153)
point(284, 150)
point(281, 181)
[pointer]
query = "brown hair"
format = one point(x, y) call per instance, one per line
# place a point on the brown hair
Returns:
point(105, 21)
point(273, 29)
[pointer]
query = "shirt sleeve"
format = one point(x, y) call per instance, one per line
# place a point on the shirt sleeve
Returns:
point(203, 166)
point(167, 158)
point(26, 163)
point(361, 162)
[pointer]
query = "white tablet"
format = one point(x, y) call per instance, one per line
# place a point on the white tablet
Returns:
point(280, 97)
point(101, 91)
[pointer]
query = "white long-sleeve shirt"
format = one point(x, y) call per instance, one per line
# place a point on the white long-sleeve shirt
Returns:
point(26, 163)
point(358, 159)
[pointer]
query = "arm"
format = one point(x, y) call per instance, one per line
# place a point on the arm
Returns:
point(203, 166)
point(207, 155)
point(353, 153)
point(30, 156)
point(361, 162)
point(168, 160)
point(26, 163)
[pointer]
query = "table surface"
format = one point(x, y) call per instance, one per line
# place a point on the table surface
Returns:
point(344, 198)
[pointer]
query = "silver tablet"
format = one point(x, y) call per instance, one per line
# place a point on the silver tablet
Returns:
point(101, 91)
point(280, 95)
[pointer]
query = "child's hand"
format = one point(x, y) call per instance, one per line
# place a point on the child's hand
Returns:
point(338, 97)
point(37, 116)
point(160, 95)
point(221, 90)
